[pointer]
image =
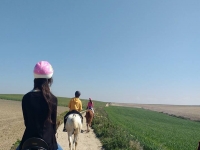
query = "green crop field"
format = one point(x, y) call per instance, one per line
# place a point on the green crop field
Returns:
point(62, 101)
point(16, 97)
point(156, 131)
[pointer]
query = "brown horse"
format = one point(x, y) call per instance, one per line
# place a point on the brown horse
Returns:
point(89, 116)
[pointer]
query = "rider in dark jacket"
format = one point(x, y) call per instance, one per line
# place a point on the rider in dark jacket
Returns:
point(39, 108)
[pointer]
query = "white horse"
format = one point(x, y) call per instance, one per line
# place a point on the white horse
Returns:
point(73, 126)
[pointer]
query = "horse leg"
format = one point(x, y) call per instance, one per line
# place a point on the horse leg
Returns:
point(91, 122)
point(70, 140)
point(76, 140)
point(88, 130)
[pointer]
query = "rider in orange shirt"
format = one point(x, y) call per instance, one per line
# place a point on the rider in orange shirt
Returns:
point(75, 106)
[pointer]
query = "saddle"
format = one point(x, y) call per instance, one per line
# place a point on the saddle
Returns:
point(74, 112)
point(90, 108)
point(35, 144)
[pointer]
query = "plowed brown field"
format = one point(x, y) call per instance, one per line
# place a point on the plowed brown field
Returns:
point(11, 122)
point(191, 112)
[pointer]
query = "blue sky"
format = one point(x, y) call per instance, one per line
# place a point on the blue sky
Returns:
point(129, 51)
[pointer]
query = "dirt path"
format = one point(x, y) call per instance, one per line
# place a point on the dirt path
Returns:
point(86, 141)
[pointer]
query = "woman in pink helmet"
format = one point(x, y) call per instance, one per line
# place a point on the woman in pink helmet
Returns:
point(90, 105)
point(39, 108)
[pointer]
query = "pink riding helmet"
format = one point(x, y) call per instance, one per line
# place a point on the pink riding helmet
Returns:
point(43, 69)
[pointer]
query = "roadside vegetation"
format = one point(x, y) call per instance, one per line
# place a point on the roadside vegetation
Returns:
point(111, 134)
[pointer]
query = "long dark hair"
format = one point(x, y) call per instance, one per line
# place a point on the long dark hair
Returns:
point(44, 85)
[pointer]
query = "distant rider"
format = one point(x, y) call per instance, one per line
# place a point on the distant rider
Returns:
point(90, 105)
point(75, 106)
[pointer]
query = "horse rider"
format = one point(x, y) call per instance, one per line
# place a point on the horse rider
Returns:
point(90, 105)
point(39, 107)
point(75, 106)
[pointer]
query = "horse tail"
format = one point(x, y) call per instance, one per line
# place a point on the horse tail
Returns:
point(74, 122)
point(89, 117)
